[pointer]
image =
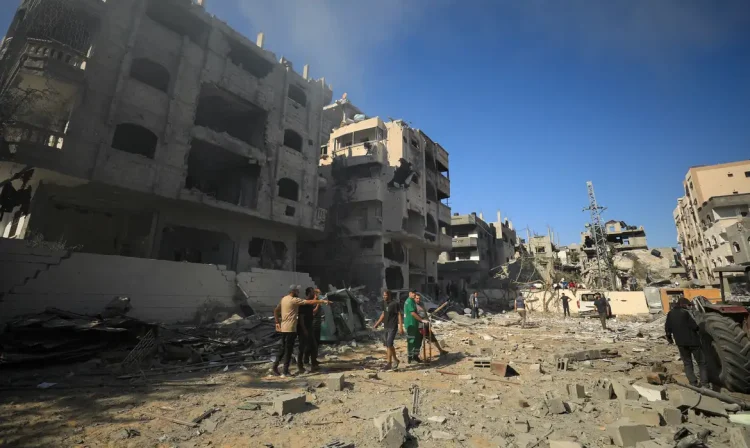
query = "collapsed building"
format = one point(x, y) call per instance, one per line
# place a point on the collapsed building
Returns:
point(151, 129)
point(385, 189)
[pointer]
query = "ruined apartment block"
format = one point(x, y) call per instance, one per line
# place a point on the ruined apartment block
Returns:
point(152, 129)
point(478, 248)
point(717, 198)
point(385, 187)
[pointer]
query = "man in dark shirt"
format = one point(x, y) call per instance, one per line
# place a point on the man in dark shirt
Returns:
point(566, 305)
point(305, 329)
point(393, 322)
point(601, 307)
point(682, 330)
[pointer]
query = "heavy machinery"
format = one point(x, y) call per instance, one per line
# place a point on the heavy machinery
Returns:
point(725, 329)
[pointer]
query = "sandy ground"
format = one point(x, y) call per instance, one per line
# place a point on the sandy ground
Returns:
point(87, 410)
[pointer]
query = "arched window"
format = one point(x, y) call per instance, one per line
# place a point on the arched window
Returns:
point(288, 189)
point(297, 94)
point(135, 139)
point(736, 247)
point(292, 140)
point(151, 73)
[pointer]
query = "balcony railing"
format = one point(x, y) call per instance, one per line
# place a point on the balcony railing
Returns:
point(373, 151)
point(444, 213)
point(464, 241)
point(52, 58)
point(444, 185)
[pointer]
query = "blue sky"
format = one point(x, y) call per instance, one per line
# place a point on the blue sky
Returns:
point(533, 98)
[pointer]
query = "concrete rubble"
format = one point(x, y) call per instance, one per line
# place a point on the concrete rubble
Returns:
point(591, 404)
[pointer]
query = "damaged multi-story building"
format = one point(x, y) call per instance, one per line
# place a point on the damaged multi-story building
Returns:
point(479, 249)
point(717, 197)
point(152, 129)
point(385, 189)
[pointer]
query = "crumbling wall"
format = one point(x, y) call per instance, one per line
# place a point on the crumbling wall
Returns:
point(263, 288)
point(622, 302)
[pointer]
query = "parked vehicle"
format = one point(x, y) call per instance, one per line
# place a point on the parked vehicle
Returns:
point(586, 306)
point(725, 329)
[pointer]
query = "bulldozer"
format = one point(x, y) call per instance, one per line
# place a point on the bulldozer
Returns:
point(725, 329)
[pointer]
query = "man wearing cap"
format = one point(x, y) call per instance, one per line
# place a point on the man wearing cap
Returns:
point(411, 324)
point(286, 316)
point(681, 329)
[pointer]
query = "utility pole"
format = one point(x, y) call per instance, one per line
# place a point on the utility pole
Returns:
point(605, 269)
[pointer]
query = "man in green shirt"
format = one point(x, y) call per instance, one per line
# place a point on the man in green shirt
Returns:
point(411, 324)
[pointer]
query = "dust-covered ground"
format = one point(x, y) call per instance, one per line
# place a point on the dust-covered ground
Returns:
point(88, 409)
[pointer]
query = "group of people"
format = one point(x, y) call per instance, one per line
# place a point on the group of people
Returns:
point(412, 321)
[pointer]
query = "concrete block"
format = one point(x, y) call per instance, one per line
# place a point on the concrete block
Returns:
point(739, 437)
point(393, 435)
point(687, 399)
point(289, 404)
point(536, 368)
point(562, 363)
point(438, 419)
point(626, 433)
point(642, 414)
point(564, 444)
point(651, 392)
point(556, 406)
point(521, 426)
point(576, 391)
point(336, 381)
point(671, 416)
point(399, 415)
point(624, 391)
point(603, 390)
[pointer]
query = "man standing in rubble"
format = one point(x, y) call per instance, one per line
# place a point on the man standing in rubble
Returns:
point(601, 307)
point(566, 305)
point(411, 324)
point(286, 316)
point(315, 339)
point(393, 322)
point(474, 305)
point(520, 307)
point(681, 329)
point(305, 330)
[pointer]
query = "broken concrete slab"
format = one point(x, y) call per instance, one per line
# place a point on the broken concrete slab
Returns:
point(739, 437)
point(687, 399)
point(441, 435)
point(651, 392)
point(521, 426)
point(624, 391)
point(536, 368)
point(399, 414)
point(502, 369)
point(587, 355)
point(626, 433)
point(393, 435)
point(556, 406)
point(336, 381)
point(641, 413)
point(289, 404)
point(437, 419)
point(670, 415)
point(577, 391)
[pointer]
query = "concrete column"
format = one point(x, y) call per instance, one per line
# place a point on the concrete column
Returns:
point(260, 39)
point(306, 71)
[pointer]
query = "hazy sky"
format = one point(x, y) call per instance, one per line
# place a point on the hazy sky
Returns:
point(533, 98)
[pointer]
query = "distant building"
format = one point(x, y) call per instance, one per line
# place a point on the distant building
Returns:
point(716, 198)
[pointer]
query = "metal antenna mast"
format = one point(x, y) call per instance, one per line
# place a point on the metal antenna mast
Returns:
point(605, 273)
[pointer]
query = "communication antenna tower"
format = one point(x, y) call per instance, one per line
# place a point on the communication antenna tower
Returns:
point(605, 277)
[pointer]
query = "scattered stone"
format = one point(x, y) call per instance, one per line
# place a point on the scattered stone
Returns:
point(125, 434)
point(441, 435)
point(562, 364)
point(521, 426)
point(456, 391)
point(438, 419)
point(588, 355)
point(536, 368)
point(626, 433)
point(373, 376)
point(400, 414)
point(653, 444)
point(686, 399)
point(556, 406)
point(603, 390)
point(656, 378)
point(336, 381)
point(289, 404)
point(523, 403)
point(671, 416)
point(643, 414)
point(624, 391)
point(576, 391)
point(392, 426)
point(651, 392)
point(465, 377)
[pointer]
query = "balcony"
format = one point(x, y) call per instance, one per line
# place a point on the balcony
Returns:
point(443, 187)
point(34, 145)
point(445, 242)
point(363, 153)
point(442, 159)
point(444, 213)
point(367, 189)
point(464, 241)
point(52, 59)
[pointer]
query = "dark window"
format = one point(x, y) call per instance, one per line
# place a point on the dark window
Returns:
point(288, 189)
point(135, 140)
point(292, 140)
point(297, 94)
point(248, 59)
point(151, 73)
point(747, 173)
point(730, 175)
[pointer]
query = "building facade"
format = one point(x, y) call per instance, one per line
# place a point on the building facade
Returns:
point(385, 186)
point(156, 130)
point(716, 198)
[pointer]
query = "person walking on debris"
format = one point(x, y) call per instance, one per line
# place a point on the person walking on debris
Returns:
point(411, 324)
point(682, 330)
point(305, 330)
point(286, 316)
point(520, 307)
point(474, 305)
point(601, 307)
point(393, 322)
point(566, 305)
point(424, 327)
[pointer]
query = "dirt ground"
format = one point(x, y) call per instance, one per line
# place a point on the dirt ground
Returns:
point(87, 409)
